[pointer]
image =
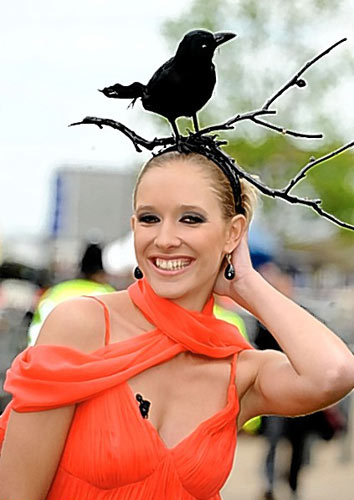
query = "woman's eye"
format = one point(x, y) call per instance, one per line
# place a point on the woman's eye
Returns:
point(148, 219)
point(193, 219)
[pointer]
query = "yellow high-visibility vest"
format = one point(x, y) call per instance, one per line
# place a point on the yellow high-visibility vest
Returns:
point(58, 293)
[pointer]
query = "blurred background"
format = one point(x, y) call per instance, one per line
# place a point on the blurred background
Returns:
point(62, 188)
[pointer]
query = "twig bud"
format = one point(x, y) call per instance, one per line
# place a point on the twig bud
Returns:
point(301, 83)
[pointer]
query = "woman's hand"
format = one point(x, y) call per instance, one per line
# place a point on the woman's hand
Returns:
point(241, 261)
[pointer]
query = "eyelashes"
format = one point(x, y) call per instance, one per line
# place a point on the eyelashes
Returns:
point(193, 219)
point(148, 219)
point(190, 219)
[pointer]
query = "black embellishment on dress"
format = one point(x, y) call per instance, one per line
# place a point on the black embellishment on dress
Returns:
point(144, 405)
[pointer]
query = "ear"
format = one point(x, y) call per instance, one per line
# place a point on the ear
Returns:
point(236, 229)
point(133, 222)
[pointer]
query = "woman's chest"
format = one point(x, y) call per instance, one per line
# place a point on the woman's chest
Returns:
point(183, 392)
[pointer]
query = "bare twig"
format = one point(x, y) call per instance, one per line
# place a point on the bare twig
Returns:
point(226, 162)
point(136, 139)
point(252, 115)
point(295, 79)
point(312, 163)
point(296, 200)
point(286, 131)
point(229, 124)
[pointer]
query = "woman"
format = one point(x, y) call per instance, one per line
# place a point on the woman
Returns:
point(76, 431)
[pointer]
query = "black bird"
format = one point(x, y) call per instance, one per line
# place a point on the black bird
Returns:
point(182, 85)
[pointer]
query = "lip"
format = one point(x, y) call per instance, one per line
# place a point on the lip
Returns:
point(165, 272)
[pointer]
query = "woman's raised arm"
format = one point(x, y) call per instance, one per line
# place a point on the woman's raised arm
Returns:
point(315, 369)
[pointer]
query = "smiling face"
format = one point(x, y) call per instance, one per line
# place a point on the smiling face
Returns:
point(180, 233)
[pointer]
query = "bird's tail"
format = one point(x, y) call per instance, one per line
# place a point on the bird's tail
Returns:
point(118, 91)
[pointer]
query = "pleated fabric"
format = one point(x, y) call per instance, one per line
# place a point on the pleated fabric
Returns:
point(111, 452)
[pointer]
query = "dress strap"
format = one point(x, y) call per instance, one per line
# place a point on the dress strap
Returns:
point(107, 335)
point(233, 367)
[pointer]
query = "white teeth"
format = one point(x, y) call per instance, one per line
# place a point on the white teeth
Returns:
point(172, 265)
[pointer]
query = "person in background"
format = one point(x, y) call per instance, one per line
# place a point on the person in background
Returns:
point(273, 427)
point(227, 310)
point(92, 280)
point(296, 431)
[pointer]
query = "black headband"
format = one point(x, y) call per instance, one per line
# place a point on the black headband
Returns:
point(208, 146)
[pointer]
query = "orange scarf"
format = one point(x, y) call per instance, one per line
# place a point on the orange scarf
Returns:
point(198, 332)
point(49, 376)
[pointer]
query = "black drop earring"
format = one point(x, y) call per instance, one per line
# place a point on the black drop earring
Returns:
point(137, 273)
point(229, 272)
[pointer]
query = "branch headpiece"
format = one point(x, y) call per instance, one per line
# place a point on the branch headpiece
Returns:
point(209, 146)
point(202, 141)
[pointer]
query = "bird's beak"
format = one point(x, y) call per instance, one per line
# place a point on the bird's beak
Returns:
point(222, 37)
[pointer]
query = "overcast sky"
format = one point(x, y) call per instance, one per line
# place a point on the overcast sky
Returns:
point(54, 56)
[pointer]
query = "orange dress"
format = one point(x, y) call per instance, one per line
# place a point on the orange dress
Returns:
point(111, 452)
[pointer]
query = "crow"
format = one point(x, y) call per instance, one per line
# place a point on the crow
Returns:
point(183, 84)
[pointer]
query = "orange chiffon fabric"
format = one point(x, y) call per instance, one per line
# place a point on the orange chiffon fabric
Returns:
point(111, 452)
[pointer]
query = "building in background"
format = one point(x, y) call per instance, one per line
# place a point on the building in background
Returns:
point(91, 199)
point(88, 203)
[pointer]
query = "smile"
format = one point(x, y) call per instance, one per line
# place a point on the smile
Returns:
point(172, 264)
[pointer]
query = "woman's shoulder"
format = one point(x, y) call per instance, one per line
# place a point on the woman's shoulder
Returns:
point(117, 302)
point(78, 323)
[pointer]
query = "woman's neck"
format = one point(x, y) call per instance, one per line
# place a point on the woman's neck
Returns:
point(193, 302)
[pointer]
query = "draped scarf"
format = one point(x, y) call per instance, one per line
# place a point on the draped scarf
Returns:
point(43, 377)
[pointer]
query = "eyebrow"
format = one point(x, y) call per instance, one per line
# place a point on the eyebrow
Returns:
point(145, 207)
point(183, 207)
point(192, 207)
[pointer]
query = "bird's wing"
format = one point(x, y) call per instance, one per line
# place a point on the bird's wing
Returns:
point(163, 76)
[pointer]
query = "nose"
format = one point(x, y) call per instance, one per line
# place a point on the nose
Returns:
point(166, 236)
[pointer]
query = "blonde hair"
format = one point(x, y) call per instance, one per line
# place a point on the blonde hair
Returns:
point(220, 183)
